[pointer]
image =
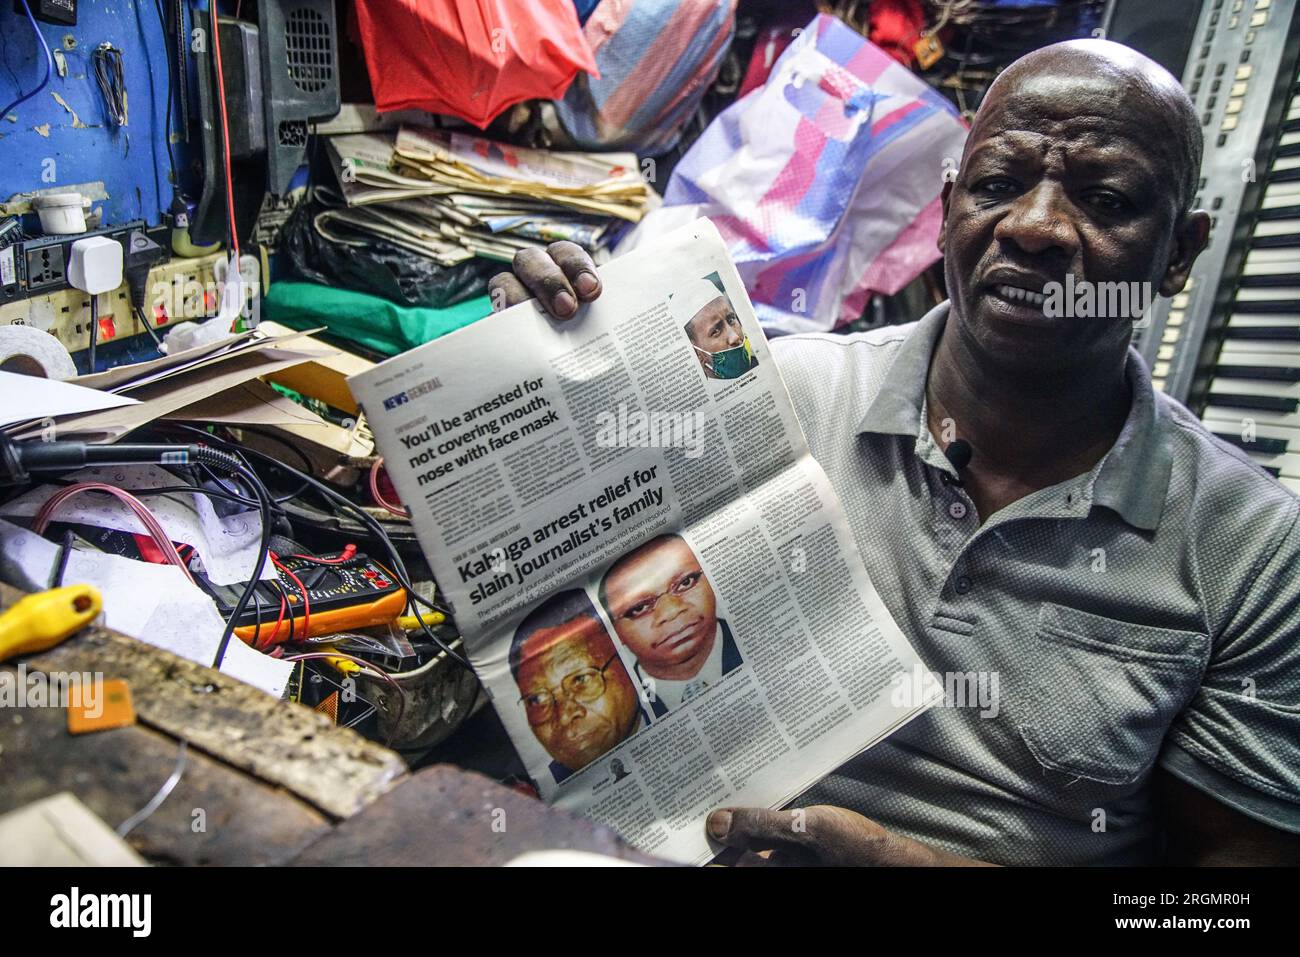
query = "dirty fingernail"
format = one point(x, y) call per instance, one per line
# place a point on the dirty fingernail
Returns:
point(719, 824)
point(585, 284)
point(563, 304)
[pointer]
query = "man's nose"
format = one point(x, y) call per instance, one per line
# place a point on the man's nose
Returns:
point(667, 608)
point(569, 709)
point(1039, 221)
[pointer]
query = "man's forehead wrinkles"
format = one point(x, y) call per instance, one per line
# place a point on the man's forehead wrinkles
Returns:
point(1065, 141)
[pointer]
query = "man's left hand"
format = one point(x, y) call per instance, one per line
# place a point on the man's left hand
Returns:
point(821, 835)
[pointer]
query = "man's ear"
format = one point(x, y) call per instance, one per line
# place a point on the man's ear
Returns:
point(943, 226)
point(1191, 234)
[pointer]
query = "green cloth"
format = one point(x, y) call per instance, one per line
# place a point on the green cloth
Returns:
point(369, 320)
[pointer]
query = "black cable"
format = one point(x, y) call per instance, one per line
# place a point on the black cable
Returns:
point(399, 567)
point(144, 321)
point(171, 68)
point(65, 552)
point(107, 64)
point(223, 459)
point(94, 330)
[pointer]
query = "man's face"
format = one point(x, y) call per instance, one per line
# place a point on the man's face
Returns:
point(577, 711)
point(715, 328)
point(1065, 174)
point(664, 609)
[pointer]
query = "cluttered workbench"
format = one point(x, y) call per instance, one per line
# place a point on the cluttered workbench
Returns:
point(212, 771)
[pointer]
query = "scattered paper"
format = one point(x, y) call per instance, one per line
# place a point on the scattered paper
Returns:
point(156, 604)
point(27, 397)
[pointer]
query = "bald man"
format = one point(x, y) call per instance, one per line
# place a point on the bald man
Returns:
point(1133, 582)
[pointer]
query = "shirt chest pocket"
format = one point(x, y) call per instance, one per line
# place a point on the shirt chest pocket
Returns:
point(1105, 692)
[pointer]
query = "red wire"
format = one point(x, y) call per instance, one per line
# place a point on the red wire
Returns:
point(225, 135)
point(306, 599)
point(378, 497)
point(348, 554)
point(141, 511)
point(278, 621)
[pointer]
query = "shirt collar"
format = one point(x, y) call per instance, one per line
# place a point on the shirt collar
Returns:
point(1131, 479)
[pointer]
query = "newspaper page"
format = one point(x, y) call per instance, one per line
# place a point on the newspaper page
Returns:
point(654, 580)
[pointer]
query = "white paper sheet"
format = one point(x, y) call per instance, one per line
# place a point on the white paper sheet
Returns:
point(154, 603)
point(228, 546)
point(26, 397)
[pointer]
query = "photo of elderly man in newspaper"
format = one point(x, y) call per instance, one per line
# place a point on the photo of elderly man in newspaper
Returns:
point(575, 693)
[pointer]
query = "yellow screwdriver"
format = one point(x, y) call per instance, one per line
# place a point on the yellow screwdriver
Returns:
point(39, 622)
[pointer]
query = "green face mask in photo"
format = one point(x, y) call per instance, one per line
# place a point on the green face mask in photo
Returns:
point(730, 363)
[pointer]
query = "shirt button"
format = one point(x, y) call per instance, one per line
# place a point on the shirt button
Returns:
point(957, 510)
point(962, 585)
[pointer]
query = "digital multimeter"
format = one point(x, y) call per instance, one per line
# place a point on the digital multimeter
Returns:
point(343, 595)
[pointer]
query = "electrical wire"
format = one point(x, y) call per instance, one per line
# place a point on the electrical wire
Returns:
point(225, 139)
point(171, 92)
point(378, 496)
point(306, 597)
point(141, 511)
point(399, 567)
point(94, 331)
point(49, 64)
point(144, 321)
point(106, 61)
point(155, 802)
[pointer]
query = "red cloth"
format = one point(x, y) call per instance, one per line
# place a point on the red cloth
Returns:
point(471, 58)
point(895, 26)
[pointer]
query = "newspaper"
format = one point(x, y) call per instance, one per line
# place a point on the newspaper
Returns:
point(654, 580)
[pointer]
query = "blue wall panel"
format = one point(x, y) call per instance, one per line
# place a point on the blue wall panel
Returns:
point(131, 161)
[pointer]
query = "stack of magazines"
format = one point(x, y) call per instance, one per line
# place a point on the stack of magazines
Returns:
point(451, 196)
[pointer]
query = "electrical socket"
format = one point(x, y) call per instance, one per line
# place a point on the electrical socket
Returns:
point(181, 288)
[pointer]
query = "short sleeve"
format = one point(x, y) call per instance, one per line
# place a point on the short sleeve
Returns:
point(1238, 740)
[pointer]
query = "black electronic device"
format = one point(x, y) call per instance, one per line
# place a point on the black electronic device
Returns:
point(51, 11)
point(301, 75)
point(31, 267)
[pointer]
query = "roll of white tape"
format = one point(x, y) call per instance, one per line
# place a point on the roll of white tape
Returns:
point(31, 352)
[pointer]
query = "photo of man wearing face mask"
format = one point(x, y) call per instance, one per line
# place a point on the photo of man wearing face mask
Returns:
point(715, 332)
point(575, 693)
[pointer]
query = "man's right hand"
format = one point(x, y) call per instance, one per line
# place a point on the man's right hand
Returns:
point(559, 278)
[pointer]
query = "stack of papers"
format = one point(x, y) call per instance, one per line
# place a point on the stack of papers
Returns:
point(451, 196)
point(107, 405)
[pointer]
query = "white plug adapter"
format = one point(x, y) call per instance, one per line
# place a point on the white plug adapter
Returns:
point(95, 265)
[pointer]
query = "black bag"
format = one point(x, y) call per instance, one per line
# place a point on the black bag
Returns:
point(378, 267)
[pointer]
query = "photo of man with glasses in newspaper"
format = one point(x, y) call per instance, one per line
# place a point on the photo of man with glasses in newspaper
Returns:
point(573, 689)
point(665, 612)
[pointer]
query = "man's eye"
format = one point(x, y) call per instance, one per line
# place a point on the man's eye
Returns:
point(996, 186)
point(636, 611)
point(1108, 201)
point(581, 680)
point(687, 582)
point(535, 700)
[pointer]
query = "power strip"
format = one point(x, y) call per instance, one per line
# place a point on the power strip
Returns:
point(177, 290)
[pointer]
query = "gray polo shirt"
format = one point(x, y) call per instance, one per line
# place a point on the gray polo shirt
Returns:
point(1144, 614)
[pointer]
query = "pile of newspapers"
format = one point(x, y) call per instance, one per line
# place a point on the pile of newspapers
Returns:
point(451, 196)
